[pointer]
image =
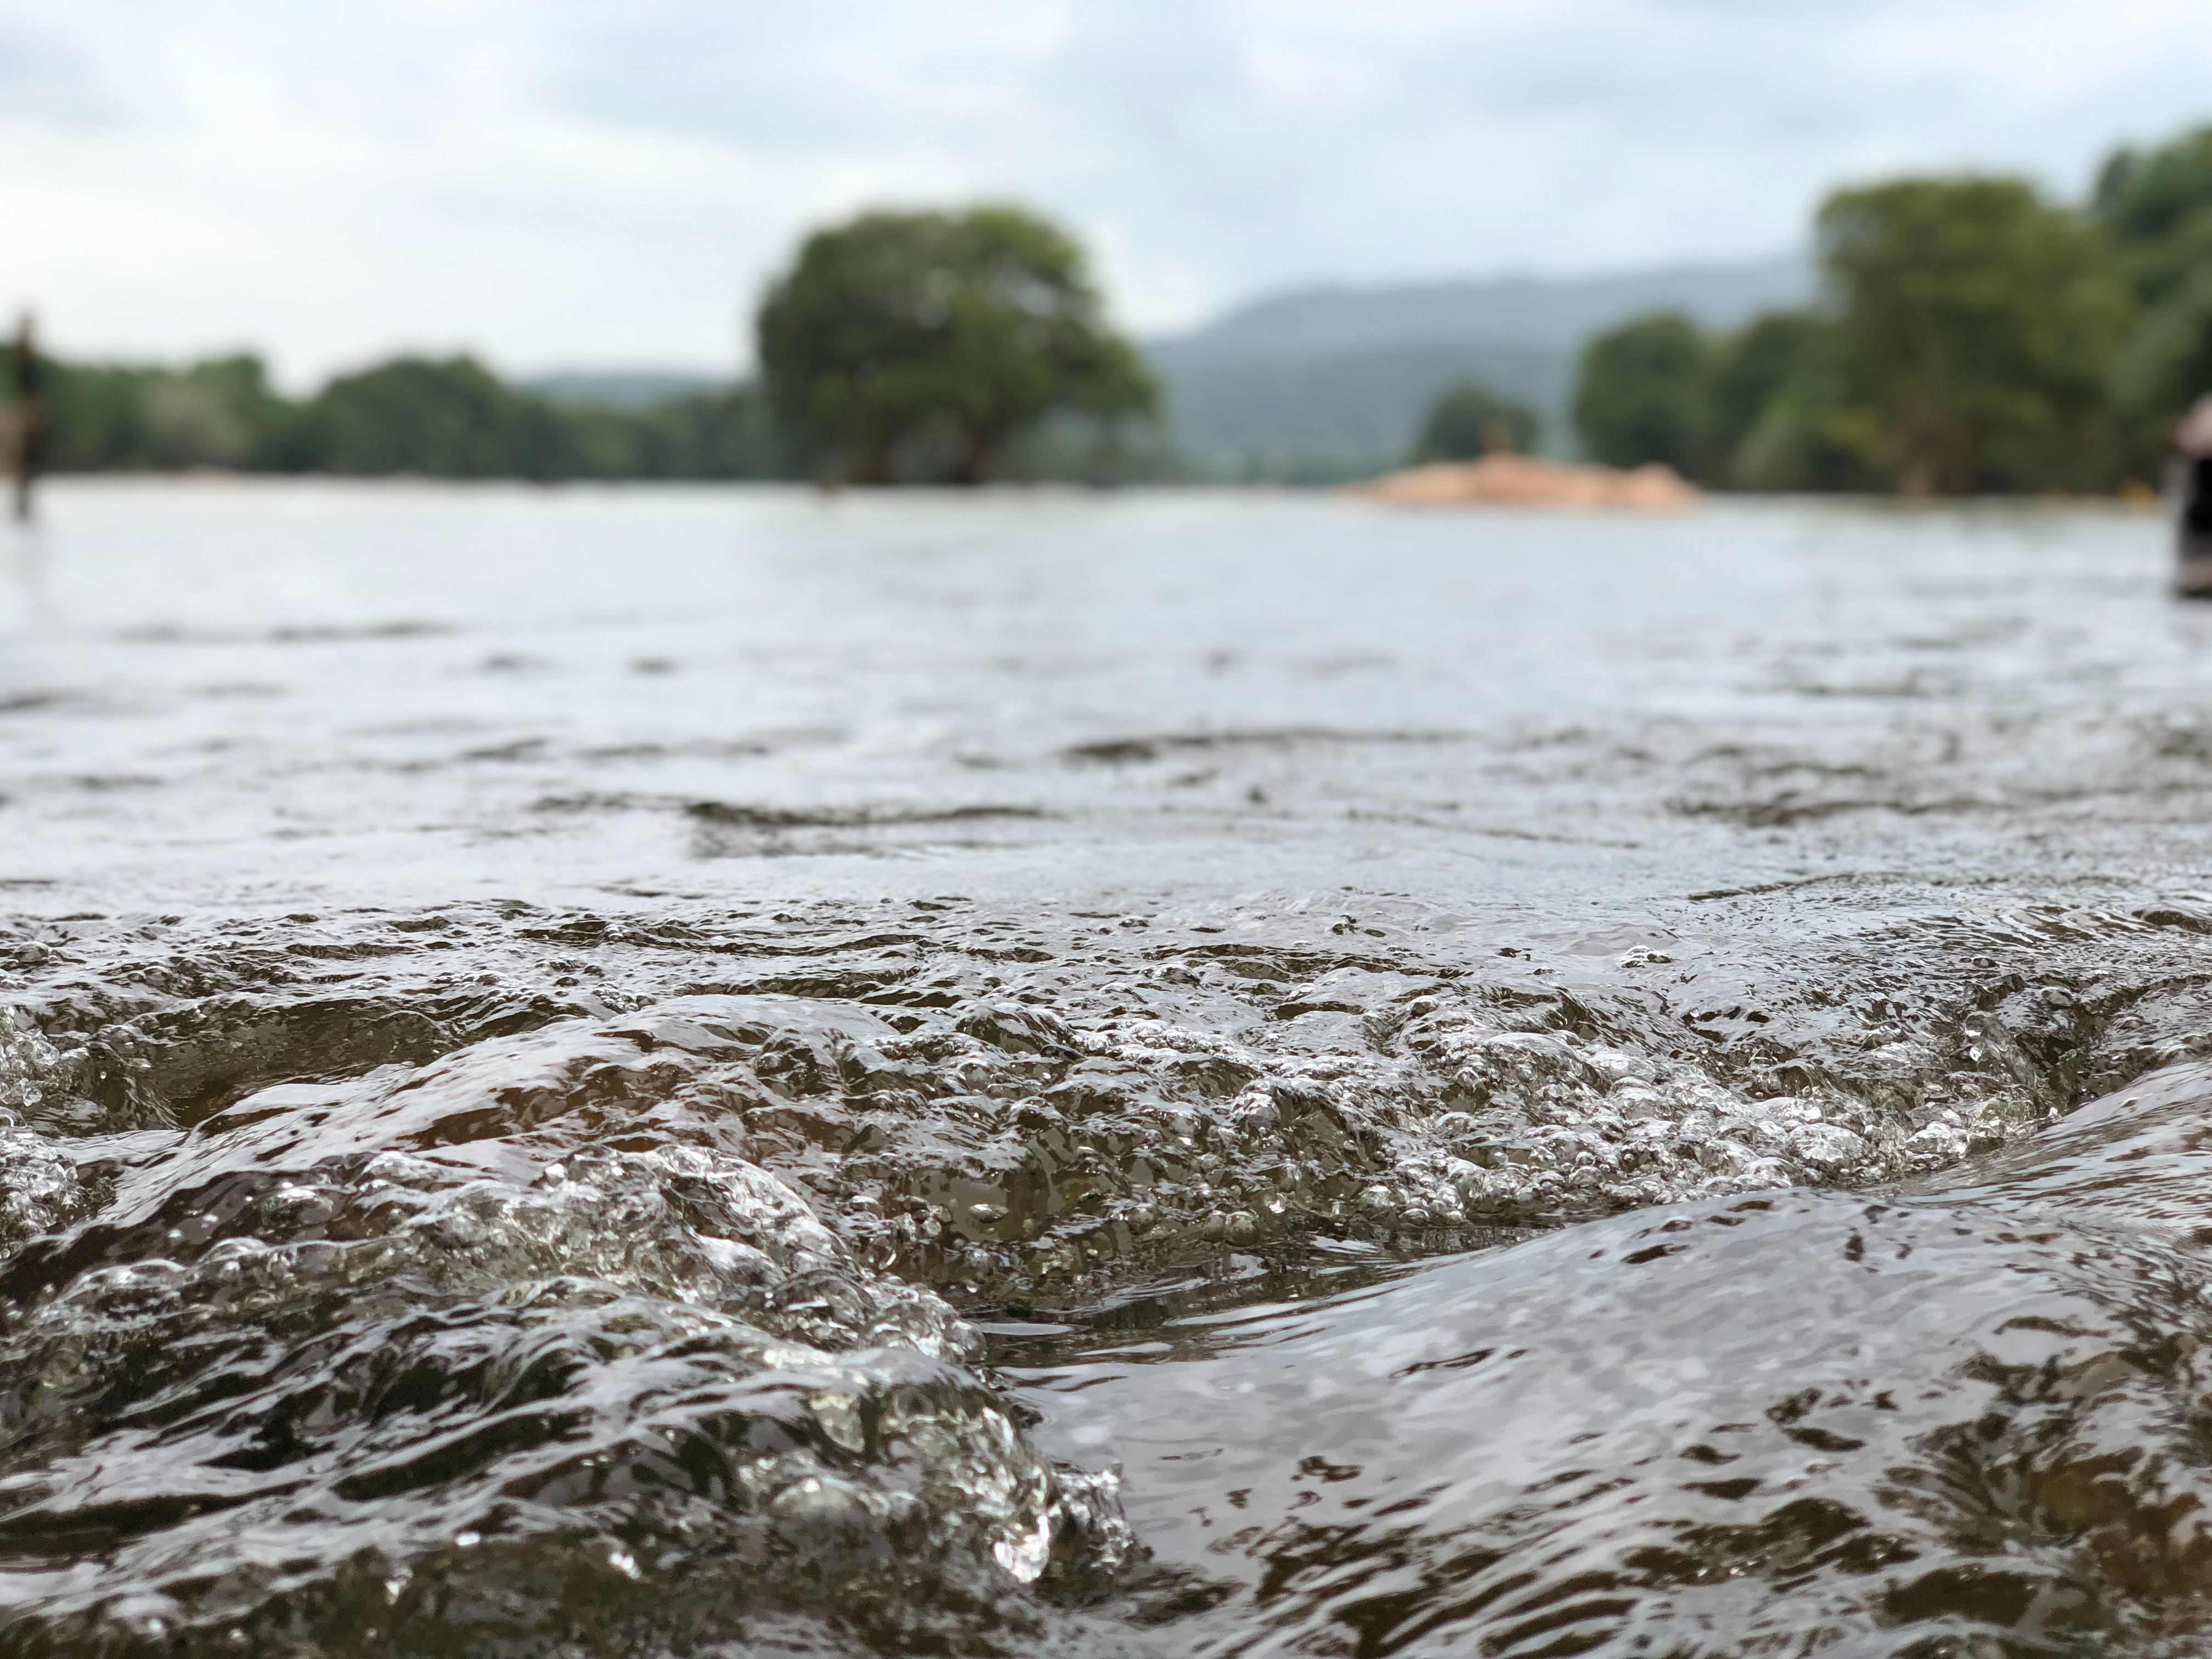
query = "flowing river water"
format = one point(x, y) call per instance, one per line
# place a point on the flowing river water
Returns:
point(724, 1072)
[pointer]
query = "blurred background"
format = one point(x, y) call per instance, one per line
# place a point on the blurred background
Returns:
point(499, 238)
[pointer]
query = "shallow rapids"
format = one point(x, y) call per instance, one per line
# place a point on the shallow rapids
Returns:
point(711, 1072)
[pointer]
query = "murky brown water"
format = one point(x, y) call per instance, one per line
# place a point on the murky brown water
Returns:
point(714, 1073)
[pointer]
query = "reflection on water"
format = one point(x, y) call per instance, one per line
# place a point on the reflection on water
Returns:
point(695, 1072)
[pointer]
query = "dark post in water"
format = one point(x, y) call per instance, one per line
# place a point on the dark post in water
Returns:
point(30, 417)
point(2193, 490)
point(29, 425)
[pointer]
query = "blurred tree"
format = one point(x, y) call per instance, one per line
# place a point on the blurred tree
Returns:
point(450, 419)
point(2156, 205)
point(1977, 329)
point(1644, 394)
point(1749, 368)
point(2167, 366)
point(1470, 420)
point(189, 424)
point(222, 412)
point(1798, 441)
point(97, 417)
point(446, 418)
point(216, 413)
point(705, 436)
point(930, 341)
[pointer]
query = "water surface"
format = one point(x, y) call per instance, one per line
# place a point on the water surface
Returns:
point(715, 1071)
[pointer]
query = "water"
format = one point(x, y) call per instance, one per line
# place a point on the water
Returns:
point(714, 1072)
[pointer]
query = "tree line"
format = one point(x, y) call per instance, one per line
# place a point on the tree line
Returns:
point(1973, 335)
point(899, 347)
point(442, 417)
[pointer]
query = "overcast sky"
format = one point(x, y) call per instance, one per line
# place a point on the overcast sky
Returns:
point(557, 183)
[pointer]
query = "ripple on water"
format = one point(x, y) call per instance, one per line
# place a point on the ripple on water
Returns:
point(497, 1274)
point(1800, 1423)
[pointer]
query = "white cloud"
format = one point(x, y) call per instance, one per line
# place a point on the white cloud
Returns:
point(556, 182)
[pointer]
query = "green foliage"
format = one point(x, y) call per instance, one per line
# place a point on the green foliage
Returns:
point(1798, 442)
point(451, 419)
point(1748, 369)
point(220, 413)
point(1777, 410)
point(2166, 366)
point(924, 344)
point(96, 416)
point(1977, 329)
point(1644, 394)
point(1469, 420)
point(2156, 207)
point(700, 435)
point(1761, 409)
point(1976, 337)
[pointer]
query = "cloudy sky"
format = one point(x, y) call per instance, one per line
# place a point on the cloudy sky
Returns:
point(559, 183)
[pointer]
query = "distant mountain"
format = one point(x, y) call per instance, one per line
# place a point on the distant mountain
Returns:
point(1337, 379)
point(1529, 311)
point(1294, 414)
point(619, 389)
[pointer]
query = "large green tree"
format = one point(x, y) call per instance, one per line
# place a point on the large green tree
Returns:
point(1976, 332)
point(1644, 394)
point(1469, 419)
point(905, 342)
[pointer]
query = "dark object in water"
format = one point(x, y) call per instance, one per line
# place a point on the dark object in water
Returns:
point(28, 428)
point(2192, 491)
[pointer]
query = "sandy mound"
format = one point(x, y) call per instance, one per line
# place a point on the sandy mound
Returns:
point(1524, 481)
